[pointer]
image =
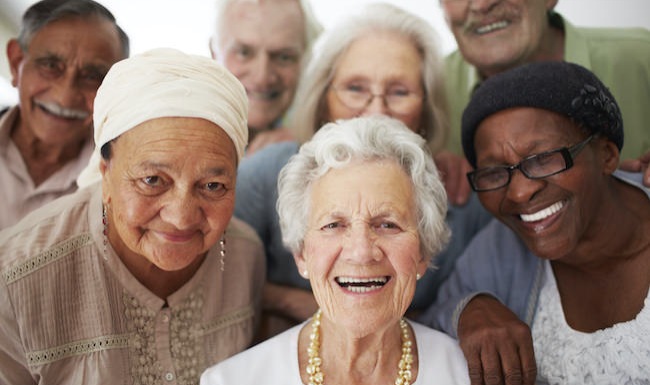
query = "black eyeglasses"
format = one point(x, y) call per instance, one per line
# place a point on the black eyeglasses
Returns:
point(533, 167)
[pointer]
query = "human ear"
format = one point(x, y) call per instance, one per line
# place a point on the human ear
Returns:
point(301, 263)
point(15, 56)
point(422, 266)
point(104, 168)
point(609, 155)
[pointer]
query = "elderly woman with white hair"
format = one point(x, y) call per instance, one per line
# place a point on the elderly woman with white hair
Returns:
point(362, 209)
point(141, 277)
point(382, 61)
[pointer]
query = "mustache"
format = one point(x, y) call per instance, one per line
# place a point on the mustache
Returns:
point(499, 12)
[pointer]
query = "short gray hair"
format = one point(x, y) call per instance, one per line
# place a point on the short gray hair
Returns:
point(45, 12)
point(308, 115)
point(366, 138)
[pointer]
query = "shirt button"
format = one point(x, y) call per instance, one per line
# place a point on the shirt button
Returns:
point(169, 376)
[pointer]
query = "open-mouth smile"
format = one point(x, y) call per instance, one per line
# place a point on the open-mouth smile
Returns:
point(362, 285)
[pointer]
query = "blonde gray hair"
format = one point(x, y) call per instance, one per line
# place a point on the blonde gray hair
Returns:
point(309, 113)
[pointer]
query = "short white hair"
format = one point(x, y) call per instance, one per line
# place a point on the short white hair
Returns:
point(371, 138)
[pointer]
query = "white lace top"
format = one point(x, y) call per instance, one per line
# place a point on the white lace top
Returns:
point(616, 355)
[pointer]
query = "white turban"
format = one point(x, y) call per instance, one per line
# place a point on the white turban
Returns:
point(161, 83)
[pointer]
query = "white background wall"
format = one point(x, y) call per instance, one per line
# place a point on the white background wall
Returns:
point(188, 24)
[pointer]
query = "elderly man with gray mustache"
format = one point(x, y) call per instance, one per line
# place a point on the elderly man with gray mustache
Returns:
point(59, 59)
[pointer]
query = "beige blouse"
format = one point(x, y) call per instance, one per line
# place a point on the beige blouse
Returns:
point(71, 312)
point(18, 195)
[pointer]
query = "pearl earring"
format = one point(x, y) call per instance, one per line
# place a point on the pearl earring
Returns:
point(305, 273)
point(417, 276)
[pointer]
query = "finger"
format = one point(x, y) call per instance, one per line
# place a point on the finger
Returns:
point(512, 365)
point(646, 176)
point(528, 363)
point(492, 367)
point(474, 368)
point(632, 165)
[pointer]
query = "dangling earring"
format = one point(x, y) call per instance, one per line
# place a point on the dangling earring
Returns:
point(222, 252)
point(105, 231)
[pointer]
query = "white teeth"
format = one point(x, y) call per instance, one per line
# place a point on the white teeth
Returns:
point(344, 280)
point(492, 27)
point(67, 113)
point(361, 285)
point(362, 289)
point(545, 213)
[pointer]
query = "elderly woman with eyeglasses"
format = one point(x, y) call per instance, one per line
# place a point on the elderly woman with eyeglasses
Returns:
point(570, 253)
point(382, 61)
point(362, 209)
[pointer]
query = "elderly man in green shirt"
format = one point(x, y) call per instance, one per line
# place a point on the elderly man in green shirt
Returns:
point(496, 35)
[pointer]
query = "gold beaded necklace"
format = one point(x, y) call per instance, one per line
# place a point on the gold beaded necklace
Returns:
point(315, 375)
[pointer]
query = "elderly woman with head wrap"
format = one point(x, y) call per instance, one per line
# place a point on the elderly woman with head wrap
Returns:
point(382, 61)
point(140, 277)
point(363, 211)
point(570, 253)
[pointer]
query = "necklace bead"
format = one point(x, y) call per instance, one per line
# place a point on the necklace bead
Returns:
point(316, 376)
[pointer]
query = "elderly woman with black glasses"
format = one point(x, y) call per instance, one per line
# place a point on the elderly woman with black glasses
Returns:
point(570, 253)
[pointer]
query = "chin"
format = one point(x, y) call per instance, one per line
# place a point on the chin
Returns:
point(175, 260)
point(171, 265)
point(548, 249)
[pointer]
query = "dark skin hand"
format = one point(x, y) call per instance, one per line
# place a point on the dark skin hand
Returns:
point(498, 346)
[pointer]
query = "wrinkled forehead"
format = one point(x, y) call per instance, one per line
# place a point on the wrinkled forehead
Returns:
point(190, 135)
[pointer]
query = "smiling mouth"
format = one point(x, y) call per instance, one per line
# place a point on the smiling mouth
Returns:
point(362, 285)
point(542, 214)
point(58, 111)
point(492, 27)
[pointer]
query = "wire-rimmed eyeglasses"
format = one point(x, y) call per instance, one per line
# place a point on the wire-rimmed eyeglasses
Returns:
point(536, 166)
point(399, 101)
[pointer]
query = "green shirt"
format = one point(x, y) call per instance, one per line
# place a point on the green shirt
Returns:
point(619, 57)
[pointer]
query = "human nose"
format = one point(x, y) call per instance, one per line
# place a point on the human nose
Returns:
point(376, 105)
point(481, 5)
point(182, 209)
point(360, 244)
point(68, 92)
point(521, 188)
point(262, 70)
